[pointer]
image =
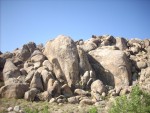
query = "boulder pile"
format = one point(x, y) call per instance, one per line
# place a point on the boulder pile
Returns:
point(75, 72)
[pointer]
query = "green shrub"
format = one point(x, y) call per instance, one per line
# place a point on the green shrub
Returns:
point(137, 102)
point(93, 110)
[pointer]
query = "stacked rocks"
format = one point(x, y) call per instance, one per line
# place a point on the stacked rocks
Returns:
point(75, 72)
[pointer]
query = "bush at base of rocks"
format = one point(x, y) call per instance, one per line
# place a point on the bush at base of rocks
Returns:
point(136, 102)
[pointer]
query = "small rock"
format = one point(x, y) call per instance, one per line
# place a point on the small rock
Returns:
point(52, 100)
point(86, 101)
point(21, 111)
point(61, 100)
point(17, 108)
point(103, 94)
point(141, 65)
point(73, 100)
point(113, 93)
point(60, 104)
point(10, 109)
point(80, 92)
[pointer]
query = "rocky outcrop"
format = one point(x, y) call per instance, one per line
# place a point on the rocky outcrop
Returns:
point(81, 72)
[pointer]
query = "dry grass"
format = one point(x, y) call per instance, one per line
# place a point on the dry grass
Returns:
point(52, 107)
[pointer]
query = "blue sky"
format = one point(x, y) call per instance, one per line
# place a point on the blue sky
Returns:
point(22, 21)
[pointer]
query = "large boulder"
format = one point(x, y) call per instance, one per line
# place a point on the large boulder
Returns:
point(45, 78)
point(47, 64)
point(63, 55)
point(29, 76)
point(66, 91)
point(53, 87)
point(44, 96)
point(121, 43)
point(111, 66)
point(37, 56)
point(31, 94)
point(88, 46)
point(107, 40)
point(10, 70)
point(27, 50)
point(83, 62)
point(14, 90)
point(36, 81)
point(97, 88)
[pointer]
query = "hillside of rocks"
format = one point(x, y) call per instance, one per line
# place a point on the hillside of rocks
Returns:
point(67, 71)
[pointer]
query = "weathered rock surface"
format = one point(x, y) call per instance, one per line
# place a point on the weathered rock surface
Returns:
point(37, 56)
point(10, 70)
point(48, 65)
point(81, 92)
point(73, 100)
point(44, 96)
point(53, 87)
point(36, 81)
point(64, 59)
point(111, 66)
point(27, 50)
point(66, 91)
point(121, 43)
point(83, 62)
point(97, 88)
point(145, 79)
point(30, 94)
point(86, 101)
point(82, 72)
point(14, 90)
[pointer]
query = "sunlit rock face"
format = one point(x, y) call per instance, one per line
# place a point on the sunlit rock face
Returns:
point(63, 55)
point(111, 66)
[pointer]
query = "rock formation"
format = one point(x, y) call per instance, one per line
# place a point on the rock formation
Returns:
point(75, 72)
